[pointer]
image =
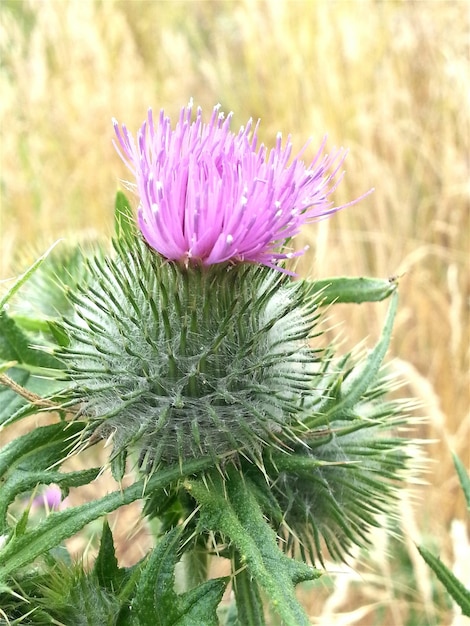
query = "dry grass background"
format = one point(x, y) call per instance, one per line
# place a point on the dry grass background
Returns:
point(389, 80)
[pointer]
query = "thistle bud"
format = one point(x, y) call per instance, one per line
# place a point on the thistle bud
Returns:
point(179, 362)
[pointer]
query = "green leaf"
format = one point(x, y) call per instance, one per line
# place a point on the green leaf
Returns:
point(118, 464)
point(249, 602)
point(156, 601)
point(26, 461)
point(361, 377)
point(464, 478)
point(199, 605)
point(58, 333)
point(230, 508)
point(109, 575)
point(61, 525)
point(158, 578)
point(39, 448)
point(14, 406)
point(25, 276)
point(356, 290)
point(454, 587)
point(22, 523)
point(15, 346)
point(32, 324)
point(32, 371)
point(44, 298)
point(127, 592)
point(23, 481)
point(124, 222)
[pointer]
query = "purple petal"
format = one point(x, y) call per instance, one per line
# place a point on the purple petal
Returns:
point(209, 196)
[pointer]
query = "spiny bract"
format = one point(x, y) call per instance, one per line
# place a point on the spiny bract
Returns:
point(177, 362)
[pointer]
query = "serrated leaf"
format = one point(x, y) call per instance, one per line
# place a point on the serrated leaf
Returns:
point(44, 298)
point(15, 346)
point(352, 290)
point(365, 373)
point(24, 481)
point(106, 569)
point(61, 525)
point(454, 587)
point(25, 462)
point(158, 580)
point(156, 601)
point(29, 381)
point(231, 508)
point(464, 478)
point(126, 593)
point(40, 447)
point(199, 605)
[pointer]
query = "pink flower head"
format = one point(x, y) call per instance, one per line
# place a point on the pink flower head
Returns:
point(209, 196)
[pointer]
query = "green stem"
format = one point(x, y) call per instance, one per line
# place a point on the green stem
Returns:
point(247, 596)
point(229, 507)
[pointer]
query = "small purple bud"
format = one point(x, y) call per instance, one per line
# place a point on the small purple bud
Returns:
point(50, 499)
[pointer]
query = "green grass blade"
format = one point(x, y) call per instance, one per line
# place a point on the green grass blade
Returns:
point(19, 282)
point(464, 478)
point(454, 587)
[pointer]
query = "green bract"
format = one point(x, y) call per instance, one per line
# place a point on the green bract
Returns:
point(177, 362)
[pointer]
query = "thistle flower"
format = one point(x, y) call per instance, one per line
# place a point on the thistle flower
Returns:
point(207, 355)
point(204, 349)
point(209, 196)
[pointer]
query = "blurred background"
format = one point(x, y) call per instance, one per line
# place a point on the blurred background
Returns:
point(388, 80)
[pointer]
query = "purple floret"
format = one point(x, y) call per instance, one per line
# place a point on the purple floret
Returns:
point(209, 196)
